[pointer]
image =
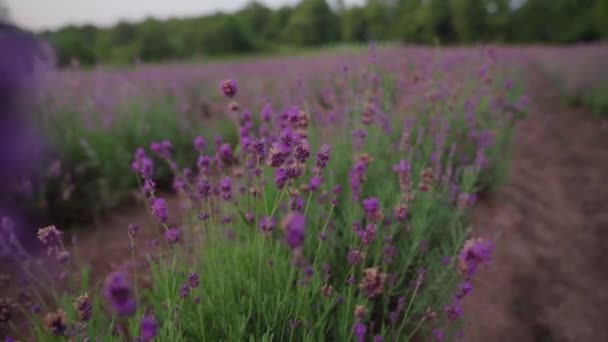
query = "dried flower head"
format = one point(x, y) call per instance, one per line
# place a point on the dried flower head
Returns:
point(132, 230)
point(360, 311)
point(50, 236)
point(427, 180)
point(5, 310)
point(83, 307)
point(429, 314)
point(63, 257)
point(56, 322)
point(373, 282)
point(327, 290)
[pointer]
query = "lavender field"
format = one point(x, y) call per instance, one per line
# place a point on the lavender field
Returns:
point(383, 193)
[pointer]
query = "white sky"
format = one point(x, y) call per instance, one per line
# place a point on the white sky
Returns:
point(51, 14)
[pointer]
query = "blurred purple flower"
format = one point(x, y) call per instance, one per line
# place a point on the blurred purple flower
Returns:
point(267, 224)
point(119, 292)
point(173, 235)
point(193, 280)
point(148, 328)
point(159, 209)
point(294, 225)
point(199, 143)
point(229, 88)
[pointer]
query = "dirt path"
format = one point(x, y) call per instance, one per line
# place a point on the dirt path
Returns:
point(549, 277)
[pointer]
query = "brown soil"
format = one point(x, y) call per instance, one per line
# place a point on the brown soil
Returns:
point(549, 276)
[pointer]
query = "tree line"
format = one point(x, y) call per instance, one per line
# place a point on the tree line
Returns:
point(312, 23)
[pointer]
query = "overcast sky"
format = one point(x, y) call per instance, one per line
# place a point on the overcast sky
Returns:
point(50, 14)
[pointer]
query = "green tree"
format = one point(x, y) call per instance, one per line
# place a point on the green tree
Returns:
point(469, 19)
point(224, 34)
point(601, 18)
point(75, 42)
point(313, 23)
point(425, 21)
point(280, 19)
point(354, 26)
point(379, 17)
point(257, 18)
point(154, 42)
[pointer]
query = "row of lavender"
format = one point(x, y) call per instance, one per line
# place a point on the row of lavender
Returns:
point(340, 212)
point(581, 72)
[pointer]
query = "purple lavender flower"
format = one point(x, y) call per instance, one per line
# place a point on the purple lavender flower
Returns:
point(323, 156)
point(356, 177)
point(266, 113)
point(354, 257)
point(229, 88)
point(378, 338)
point(193, 280)
point(294, 169)
point(359, 138)
point(453, 311)
point(148, 328)
point(438, 335)
point(315, 183)
point(199, 143)
point(294, 225)
point(371, 207)
point(204, 188)
point(280, 177)
point(83, 307)
point(359, 330)
point(368, 235)
point(267, 224)
point(475, 252)
point(276, 155)
point(226, 189)
point(162, 149)
point(464, 289)
point(287, 137)
point(302, 151)
point(225, 153)
point(296, 203)
point(140, 154)
point(184, 291)
point(159, 209)
point(173, 235)
point(119, 292)
point(203, 163)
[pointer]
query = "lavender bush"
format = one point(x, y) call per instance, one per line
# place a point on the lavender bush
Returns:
point(581, 73)
point(341, 213)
